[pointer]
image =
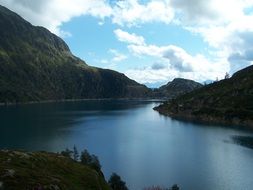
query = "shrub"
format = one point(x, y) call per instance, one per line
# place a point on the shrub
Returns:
point(90, 160)
point(116, 183)
point(67, 153)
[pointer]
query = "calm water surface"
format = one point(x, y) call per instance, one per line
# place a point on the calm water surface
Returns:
point(131, 139)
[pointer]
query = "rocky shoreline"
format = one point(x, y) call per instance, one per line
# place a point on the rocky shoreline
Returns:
point(78, 100)
point(207, 119)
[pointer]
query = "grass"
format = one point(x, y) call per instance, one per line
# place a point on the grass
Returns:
point(227, 101)
point(27, 170)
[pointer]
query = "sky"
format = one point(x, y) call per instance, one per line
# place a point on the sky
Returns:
point(151, 41)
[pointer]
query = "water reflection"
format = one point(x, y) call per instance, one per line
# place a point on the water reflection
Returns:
point(246, 141)
point(144, 147)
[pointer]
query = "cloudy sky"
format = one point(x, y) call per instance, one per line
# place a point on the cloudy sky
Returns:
point(151, 41)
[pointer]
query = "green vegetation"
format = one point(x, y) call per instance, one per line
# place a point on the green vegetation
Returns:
point(174, 187)
point(75, 154)
point(90, 160)
point(67, 153)
point(21, 170)
point(116, 182)
point(86, 158)
point(227, 101)
point(36, 65)
point(176, 88)
point(41, 170)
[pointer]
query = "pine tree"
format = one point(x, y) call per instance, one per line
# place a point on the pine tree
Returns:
point(67, 153)
point(116, 183)
point(95, 163)
point(175, 187)
point(85, 157)
point(75, 153)
point(90, 160)
point(227, 75)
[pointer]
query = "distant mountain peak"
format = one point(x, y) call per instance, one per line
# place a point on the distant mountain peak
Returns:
point(226, 101)
point(176, 87)
point(182, 80)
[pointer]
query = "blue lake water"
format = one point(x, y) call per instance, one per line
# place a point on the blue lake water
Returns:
point(142, 146)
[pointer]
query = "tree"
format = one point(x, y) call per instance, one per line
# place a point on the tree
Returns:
point(85, 157)
point(90, 160)
point(155, 188)
point(67, 153)
point(175, 187)
point(95, 164)
point(75, 153)
point(116, 183)
point(227, 76)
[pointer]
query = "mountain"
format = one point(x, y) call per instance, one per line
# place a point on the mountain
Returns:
point(208, 82)
point(153, 85)
point(36, 65)
point(227, 101)
point(42, 170)
point(176, 87)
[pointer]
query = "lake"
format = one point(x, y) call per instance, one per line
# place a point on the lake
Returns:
point(142, 146)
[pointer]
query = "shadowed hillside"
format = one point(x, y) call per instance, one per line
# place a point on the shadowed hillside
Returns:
point(41, 170)
point(226, 101)
point(176, 88)
point(37, 65)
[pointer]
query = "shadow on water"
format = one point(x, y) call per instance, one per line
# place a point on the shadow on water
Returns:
point(246, 141)
point(198, 123)
point(133, 140)
point(37, 125)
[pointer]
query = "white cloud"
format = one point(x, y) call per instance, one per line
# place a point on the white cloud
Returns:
point(229, 39)
point(175, 61)
point(129, 38)
point(179, 59)
point(104, 61)
point(149, 75)
point(112, 62)
point(117, 56)
point(225, 25)
point(214, 12)
point(52, 13)
point(132, 12)
point(152, 76)
point(158, 66)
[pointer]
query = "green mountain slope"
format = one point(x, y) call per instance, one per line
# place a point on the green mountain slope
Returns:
point(226, 101)
point(37, 65)
point(41, 170)
point(176, 88)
